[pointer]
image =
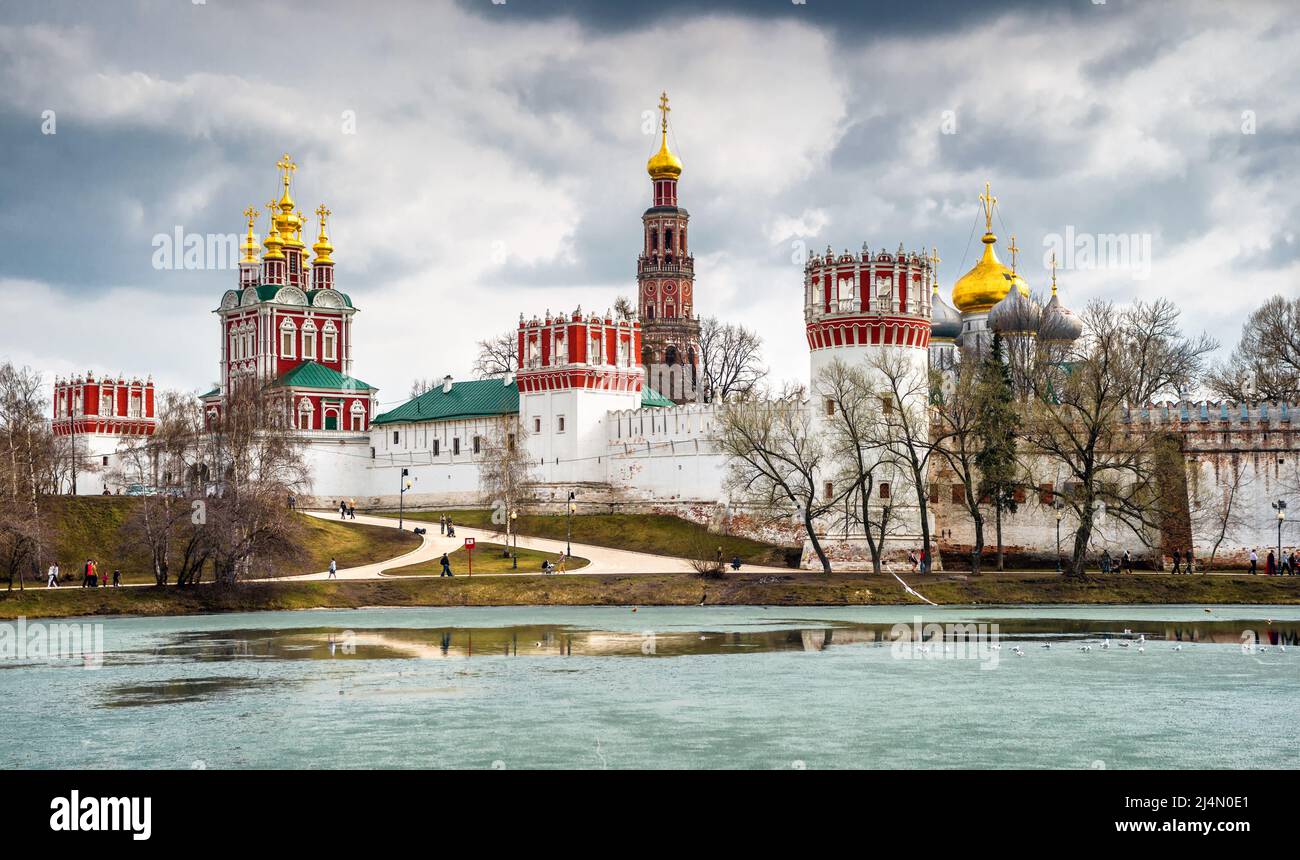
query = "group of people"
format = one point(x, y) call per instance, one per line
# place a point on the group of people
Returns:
point(348, 509)
point(1289, 566)
point(90, 576)
point(919, 560)
point(561, 565)
point(1108, 565)
point(1185, 559)
point(446, 527)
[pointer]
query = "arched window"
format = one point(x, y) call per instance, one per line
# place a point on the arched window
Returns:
point(358, 415)
point(304, 414)
point(670, 356)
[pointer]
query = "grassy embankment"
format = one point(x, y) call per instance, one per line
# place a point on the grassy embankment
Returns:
point(743, 588)
point(659, 534)
point(488, 558)
point(92, 527)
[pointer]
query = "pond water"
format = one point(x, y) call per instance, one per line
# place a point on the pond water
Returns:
point(695, 687)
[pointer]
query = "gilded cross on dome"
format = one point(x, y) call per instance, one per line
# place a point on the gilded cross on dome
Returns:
point(1014, 250)
point(934, 267)
point(323, 213)
point(1053, 273)
point(251, 214)
point(989, 201)
point(270, 209)
point(664, 109)
point(287, 167)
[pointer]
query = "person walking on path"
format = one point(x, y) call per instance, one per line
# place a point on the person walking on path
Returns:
point(1105, 561)
point(1254, 562)
point(1270, 565)
point(1177, 558)
point(117, 578)
point(564, 563)
point(52, 576)
point(446, 566)
point(334, 569)
point(343, 510)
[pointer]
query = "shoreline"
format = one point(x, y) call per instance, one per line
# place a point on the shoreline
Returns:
point(753, 589)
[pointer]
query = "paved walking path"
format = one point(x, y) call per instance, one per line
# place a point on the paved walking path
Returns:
point(604, 560)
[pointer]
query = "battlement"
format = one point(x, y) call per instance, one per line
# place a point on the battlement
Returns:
point(103, 405)
point(655, 425)
point(579, 351)
point(867, 299)
point(1222, 415)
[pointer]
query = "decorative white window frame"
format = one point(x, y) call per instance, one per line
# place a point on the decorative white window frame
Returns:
point(309, 340)
point(358, 416)
point(329, 342)
point(305, 408)
point(288, 328)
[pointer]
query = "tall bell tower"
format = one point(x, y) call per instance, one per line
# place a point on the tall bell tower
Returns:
point(665, 272)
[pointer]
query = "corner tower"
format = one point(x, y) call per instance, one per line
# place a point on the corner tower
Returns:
point(665, 273)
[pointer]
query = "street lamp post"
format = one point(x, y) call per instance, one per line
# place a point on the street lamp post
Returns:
point(514, 529)
point(568, 540)
point(401, 496)
point(1280, 507)
point(1058, 537)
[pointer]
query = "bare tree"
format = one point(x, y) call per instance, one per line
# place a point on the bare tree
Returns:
point(776, 456)
point(505, 471)
point(1266, 363)
point(904, 426)
point(422, 385)
point(24, 531)
point(256, 462)
point(1076, 415)
point(732, 361)
point(163, 520)
point(497, 356)
point(624, 309)
point(853, 434)
point(957, 441)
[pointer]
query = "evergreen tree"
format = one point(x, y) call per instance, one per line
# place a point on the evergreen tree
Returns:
point(995, 425)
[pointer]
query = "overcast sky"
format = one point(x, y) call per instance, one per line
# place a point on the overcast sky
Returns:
point(496, 164)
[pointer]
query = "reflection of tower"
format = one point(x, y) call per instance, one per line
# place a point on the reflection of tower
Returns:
point(666, 282)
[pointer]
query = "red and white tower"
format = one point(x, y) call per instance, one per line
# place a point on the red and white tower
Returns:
point(288, 330)
point(665, 272)
point(96, 415)
point(573, 370)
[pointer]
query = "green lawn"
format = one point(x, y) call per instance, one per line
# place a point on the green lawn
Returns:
point(659, 534)
point(752, 588)
point(488, 558)
point(91, 527)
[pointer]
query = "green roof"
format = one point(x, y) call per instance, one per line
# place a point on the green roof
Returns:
point(309, 374)
point(213, 393)
point(652, 398)
point(267, 292)
point(465, 400)
point(475, 399)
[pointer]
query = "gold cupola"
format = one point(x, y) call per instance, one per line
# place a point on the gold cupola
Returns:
point(288, 222)
point(322, 249)
point(989, 281)
point(663, 164)
point(249, 248)
point(274, 244)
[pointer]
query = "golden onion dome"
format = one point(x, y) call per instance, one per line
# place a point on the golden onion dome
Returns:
point(273, 242)
point(322, 248)
point(987, 283)
point(663, 164)
point(249, 246)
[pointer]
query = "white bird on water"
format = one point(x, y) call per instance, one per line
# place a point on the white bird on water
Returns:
point(1047, 644)
point(1018, 652)
point(1141, 650)
point(1085, 647)
point(1178, 647)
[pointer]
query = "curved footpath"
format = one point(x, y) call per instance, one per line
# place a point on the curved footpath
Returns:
point(604, 560)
